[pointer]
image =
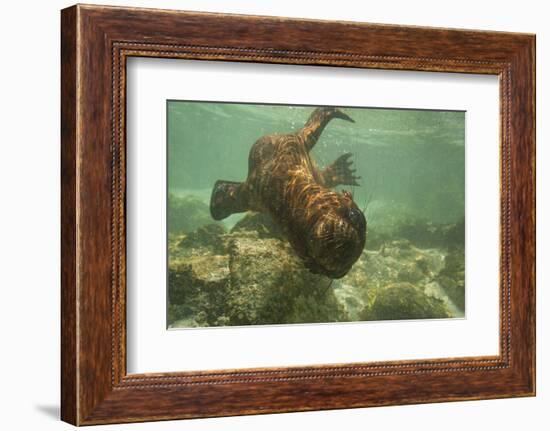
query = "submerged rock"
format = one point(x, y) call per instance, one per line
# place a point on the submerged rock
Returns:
point(261, 224)
point(198, 288)
point(255, 281)
point(186, 214)
point(207, 236)
point(397, 262)
point(269, 284)
point(352, 298)
point(411, 273)
point(251, 276)
point(455, 234)
point(376, 239)
point(451, 277)
point(423, 233)
point(435, 290)
point(404, 301)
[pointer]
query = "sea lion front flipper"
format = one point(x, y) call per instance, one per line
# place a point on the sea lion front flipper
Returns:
point(340, 173)
point(317, 122)
point(228, 197)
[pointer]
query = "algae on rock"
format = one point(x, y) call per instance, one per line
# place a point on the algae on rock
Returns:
point(186, 214)
point(251, 276)
point(261, 224)
point(243, 279)
point(451, 277)
point(198, 289)
point(396, 262)
point(270, 285)
point(404, 301)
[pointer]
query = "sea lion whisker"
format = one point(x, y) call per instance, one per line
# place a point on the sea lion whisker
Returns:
point(367, 202)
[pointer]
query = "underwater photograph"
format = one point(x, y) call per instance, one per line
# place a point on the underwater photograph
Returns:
point(295, 214)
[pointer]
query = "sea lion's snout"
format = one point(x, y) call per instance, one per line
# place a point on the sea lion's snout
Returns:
point(337, 242)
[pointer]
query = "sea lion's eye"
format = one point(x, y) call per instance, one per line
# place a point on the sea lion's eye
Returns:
point(356, 217)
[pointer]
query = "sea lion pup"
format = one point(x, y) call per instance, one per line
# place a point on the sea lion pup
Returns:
point(325, 228)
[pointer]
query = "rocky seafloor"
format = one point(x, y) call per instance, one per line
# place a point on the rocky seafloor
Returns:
point(249, 275)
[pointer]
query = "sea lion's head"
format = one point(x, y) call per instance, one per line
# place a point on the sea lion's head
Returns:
point(337, 238)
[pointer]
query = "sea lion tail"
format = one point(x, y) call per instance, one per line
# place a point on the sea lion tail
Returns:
point(317, 122)
point(337, 113)
point(227, 198)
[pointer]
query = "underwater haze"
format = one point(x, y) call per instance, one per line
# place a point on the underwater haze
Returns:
point(242, 270)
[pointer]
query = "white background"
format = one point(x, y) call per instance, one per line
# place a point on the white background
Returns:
point(153, 349)
point(29, 228)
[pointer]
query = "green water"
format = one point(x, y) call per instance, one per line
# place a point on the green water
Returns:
point(409, 158)
point(412, 164)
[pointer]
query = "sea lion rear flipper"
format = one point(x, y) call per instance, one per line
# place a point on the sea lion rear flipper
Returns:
point(228, 197)
point(340, 173)
point(316, 124)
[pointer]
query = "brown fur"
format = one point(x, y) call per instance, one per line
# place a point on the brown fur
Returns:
point(325, 228)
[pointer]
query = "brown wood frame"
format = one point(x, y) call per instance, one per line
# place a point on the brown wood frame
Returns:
point(95, 43)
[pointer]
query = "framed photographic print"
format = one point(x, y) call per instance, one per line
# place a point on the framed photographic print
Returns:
point(316, 215)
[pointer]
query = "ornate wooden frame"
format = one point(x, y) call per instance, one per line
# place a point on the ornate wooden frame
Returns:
point(95, 42)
